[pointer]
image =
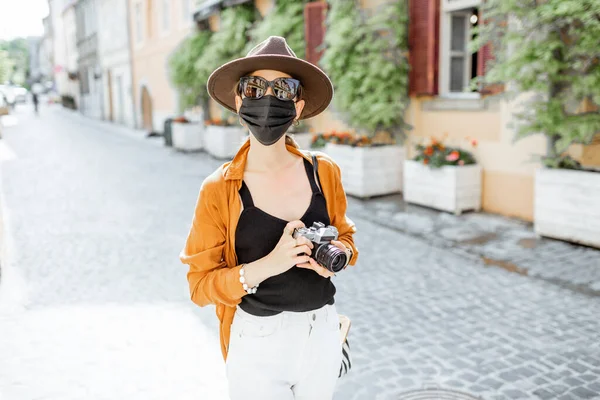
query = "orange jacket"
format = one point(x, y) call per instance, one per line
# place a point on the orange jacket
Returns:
point(210, 247)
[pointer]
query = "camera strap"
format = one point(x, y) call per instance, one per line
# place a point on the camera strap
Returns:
point(315, 164)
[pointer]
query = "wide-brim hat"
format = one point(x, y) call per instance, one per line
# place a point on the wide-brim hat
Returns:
point(275, 54)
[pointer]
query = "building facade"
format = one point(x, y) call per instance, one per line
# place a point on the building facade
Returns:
point(114, 53)
point(59, 60)
point(69, 22)
point(442, 104)
point(90, 70)
point(45, 52)
point(157, 27)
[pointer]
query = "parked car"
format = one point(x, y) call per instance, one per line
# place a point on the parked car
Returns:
point(9, 95)
point(21, 94)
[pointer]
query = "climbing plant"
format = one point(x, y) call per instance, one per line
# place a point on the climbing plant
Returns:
point(549, 49)
point(366, 58)
point(190, 82)
point(229, 41)
point(286, 19)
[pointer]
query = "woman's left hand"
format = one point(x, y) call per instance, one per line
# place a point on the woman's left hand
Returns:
point(315, 266)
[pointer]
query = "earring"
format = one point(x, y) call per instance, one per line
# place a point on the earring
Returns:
point(296, 122)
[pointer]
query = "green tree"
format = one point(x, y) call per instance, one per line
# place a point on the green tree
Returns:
point(5, 66)
point(286, 19)
point(18, 54)
point(366, 58)
point(548, 48)
point(184, 73)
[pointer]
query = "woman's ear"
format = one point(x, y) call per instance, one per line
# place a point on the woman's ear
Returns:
point(299, 108)
point(238, 103)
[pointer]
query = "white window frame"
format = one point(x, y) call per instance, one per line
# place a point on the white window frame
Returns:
point(450, 7)
point(139, 24)
point(165, 16)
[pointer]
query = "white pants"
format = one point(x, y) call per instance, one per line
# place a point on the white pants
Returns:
point(284, 357)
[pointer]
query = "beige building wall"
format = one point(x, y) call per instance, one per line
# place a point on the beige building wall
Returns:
point(151, 52)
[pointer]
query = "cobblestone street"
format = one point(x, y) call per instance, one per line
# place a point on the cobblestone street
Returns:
point(94, 303)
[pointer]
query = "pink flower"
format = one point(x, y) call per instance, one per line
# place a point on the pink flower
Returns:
point(461, 162)
point(453, 156)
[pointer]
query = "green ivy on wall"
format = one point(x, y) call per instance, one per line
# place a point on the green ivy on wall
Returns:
point(366, 58)
point(190, 83)
point(551, 50)
point(229, 42)
point(286, 19)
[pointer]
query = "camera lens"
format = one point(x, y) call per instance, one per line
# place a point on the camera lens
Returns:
point(330, 257)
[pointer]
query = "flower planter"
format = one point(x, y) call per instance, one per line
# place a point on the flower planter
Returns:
point(566, 205)
point(223, 141)
point(304, 140)
point(369, 171)
point(187, 136)
point(450, 188)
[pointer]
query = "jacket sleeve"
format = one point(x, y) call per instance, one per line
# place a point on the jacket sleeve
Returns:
point(211, 280)
point(340, 220)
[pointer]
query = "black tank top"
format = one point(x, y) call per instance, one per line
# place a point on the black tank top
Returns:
point(257, 234)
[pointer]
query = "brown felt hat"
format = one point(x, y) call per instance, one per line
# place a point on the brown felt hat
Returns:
point(275, 54)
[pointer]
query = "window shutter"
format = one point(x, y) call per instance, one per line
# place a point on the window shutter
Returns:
point(423, 45)
point(314, 29)
point(485, 55)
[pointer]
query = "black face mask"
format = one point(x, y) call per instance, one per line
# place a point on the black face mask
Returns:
point(268, 118)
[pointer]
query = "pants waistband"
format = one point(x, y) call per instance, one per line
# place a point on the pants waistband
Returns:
point(327, 313)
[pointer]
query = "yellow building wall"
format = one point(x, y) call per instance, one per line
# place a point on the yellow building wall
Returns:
point(150, 58)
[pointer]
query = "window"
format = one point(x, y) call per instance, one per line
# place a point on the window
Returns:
point(139, 23)
point(457, 65)
point(166, 15)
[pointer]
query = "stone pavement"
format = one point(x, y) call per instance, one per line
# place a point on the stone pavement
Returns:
point(94, 303)
point(497, 241)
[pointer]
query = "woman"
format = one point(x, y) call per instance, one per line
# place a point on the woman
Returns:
point(279, 327)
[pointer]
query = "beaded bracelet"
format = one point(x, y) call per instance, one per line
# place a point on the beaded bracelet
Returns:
point(249, 290)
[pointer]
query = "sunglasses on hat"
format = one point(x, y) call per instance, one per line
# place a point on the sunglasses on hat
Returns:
point(255, 87)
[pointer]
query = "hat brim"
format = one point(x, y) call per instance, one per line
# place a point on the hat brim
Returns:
point(317, 87)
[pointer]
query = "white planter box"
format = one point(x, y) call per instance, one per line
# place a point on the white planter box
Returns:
point(369, 171)
point(567, 205)
point(304, 140)
point(223, 141)
point(187, 137)
point(450, 188)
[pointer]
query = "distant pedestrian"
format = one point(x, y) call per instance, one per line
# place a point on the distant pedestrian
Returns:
point(281, 340)
point(36, 91)
point(36, 102)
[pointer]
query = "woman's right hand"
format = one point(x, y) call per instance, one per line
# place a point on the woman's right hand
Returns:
point(289, 251)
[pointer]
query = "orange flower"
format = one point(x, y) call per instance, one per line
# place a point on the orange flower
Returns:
point(426, 161)
point(428, 151)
